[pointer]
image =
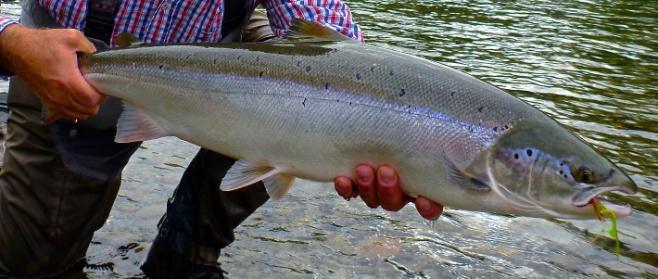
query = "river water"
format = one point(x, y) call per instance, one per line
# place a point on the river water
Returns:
point(592, 65)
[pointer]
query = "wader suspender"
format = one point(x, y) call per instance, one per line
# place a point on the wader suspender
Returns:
point(235, 15)
point(100, 19)
point(101, 14)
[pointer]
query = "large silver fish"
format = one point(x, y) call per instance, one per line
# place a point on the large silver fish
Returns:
point(316, 104)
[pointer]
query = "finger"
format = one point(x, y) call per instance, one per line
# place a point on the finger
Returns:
point(85, 96)
point(343, 187)
point(60, 109)
point(428, 209)
point(73, 92)
point(388, 189)
point(365, 181)
point(63, 113)
point(71, 114)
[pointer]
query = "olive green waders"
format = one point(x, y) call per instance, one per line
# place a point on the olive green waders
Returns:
point(48, 213)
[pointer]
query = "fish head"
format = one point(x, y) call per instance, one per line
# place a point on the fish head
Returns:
point(540, 166)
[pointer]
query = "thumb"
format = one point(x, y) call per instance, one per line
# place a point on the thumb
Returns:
point(79, 42)
point(86, 46)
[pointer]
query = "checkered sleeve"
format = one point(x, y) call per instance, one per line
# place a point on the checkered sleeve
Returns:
point(332, 13)
point(6, 21)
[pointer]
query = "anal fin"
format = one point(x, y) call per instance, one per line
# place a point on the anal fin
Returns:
point(135, 125)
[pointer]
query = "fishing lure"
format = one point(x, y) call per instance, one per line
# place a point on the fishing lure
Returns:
point(603, 212)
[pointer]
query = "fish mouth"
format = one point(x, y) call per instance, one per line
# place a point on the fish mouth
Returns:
point(587, 195)
point(616, 181)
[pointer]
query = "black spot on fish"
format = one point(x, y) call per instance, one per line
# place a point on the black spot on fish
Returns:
point(529, 152)
point(239, 56)
point(214, 61)
point(495, 129)
point(160, 67)
point(308, 69)
point(561, 164)
point(260, 75)
point(372, 68)
point(565, 176)
point(402, 92)
point(561, 172)
point(516, 156)
point(304, 102)
point(390, 73)
point(506, 127)
point(298, 63)
point(257, 58)
point(358, 76)
point(480, 109)
point(326, 86)
point(452, 93)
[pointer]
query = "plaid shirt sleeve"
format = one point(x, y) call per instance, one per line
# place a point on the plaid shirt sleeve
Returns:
point(332, 13)
point(6, 21)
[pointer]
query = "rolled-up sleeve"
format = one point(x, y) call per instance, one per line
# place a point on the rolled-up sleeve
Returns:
point(332, 13)
point(6, 21)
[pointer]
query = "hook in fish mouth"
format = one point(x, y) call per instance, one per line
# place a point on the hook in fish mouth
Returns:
point(586, 196)
point(616, 181)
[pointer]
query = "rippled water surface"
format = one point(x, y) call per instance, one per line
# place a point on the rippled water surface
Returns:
point(592, 65)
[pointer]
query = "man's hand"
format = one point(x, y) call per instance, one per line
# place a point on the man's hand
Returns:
point(383, 188)
point(46, 59)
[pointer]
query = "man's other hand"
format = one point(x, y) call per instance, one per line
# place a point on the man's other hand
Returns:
point(46, 59)
point(383, 188)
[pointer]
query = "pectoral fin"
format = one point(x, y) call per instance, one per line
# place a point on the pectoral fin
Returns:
point(243, 174)
point(465, 180)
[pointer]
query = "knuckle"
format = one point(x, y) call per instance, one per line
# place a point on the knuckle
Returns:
point(366, 188)
point(72, 34)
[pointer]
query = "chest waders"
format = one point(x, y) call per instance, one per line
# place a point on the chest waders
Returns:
point(49, 211)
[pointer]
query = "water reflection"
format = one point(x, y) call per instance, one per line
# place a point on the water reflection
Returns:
point(591, 65)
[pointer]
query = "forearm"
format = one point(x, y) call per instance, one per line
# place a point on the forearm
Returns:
point(7, 29)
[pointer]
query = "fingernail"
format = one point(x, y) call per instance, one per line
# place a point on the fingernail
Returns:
point(386, 175)
point(363, 175)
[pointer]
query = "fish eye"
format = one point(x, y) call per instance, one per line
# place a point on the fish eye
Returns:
point(583, 174)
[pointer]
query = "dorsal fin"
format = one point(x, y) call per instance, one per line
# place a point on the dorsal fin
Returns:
point(304, 30)
point(125, 39)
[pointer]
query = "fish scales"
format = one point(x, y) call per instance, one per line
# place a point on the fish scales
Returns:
point(375, 129)
point(316, 109)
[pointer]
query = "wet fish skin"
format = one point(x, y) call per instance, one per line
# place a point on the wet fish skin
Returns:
point(314, 109)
